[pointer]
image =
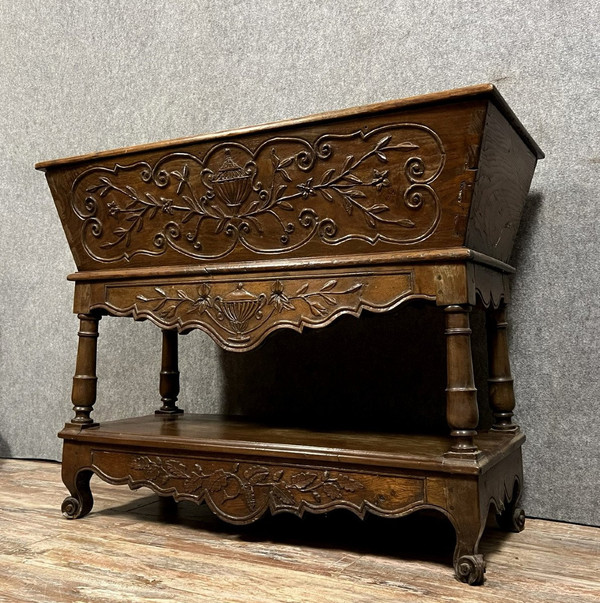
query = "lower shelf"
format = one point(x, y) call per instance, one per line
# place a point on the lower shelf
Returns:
point(242, 469)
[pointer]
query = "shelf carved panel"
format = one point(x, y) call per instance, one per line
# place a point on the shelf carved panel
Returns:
point(240, 314)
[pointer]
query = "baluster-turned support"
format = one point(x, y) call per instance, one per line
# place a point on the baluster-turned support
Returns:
point(83, 394)
point(501, 393)
point(462, 412)
point(169, 375)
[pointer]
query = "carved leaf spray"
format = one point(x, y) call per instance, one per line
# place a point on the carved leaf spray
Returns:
point(234, 311)
point(314, 486)
point(264, 205)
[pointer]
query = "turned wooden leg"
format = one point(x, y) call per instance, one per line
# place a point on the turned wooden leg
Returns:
point(84, 382)
point(169, 375)
point(501, 394)
point(462, 412)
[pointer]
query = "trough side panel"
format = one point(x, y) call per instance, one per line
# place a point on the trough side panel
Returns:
point(506, 166)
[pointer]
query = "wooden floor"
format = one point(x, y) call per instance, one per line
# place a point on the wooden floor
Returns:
point(135, 547)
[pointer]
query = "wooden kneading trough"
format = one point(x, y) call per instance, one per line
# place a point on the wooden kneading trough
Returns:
point(290, 225)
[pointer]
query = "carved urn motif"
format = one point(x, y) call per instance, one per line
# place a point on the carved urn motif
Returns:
point(239, 306)
point(232, 183)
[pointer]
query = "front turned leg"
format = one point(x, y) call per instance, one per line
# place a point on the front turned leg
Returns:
point(501, 394)
point(169, 375)
point(83, 394)
point(462, 412)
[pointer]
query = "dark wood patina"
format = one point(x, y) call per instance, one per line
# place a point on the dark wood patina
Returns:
point(290, 225)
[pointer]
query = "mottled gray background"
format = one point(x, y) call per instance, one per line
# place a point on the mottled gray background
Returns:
point(79, 76)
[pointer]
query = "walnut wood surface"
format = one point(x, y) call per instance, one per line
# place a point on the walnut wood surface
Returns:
point(242, 470)
point(169, 374)
point(85, 380)
point(381, 182)
point(383, 178)
point(505, 171)
point(235, 435)
point(502, 396)
point(291, 225)
point(480, 90)
point(239, 310)
point(450, 254)
point(461, 395)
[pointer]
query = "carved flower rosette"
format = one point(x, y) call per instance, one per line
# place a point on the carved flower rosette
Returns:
point(284, 194)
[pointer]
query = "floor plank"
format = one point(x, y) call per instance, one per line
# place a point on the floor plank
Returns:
point(137, 547)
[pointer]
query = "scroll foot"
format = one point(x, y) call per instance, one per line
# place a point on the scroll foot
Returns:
point(470, 569)
point(81, 501)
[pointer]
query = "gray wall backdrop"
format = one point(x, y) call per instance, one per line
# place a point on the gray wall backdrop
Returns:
point(80, 76)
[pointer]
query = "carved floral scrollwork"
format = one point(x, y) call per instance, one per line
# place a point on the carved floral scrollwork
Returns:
point(240, 315)
point(274, 199)
point(241, 491)
point(235, 311)
point(244, 484)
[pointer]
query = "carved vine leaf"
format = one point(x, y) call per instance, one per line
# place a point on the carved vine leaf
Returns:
point(193, 483)
point(175, 469)
point(303, 480)
point(237, 203)
point(230, 484)
point(256, 475)
point(144, 464)
point(217, 481)
point(332, 491)
point(349, 484)
point(159, 471)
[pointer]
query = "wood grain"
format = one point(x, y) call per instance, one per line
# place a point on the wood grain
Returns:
point(505, 171)
point(219, 435)
point(376, 182)
point(381, 178)
point(134, 547)
point(291, 225)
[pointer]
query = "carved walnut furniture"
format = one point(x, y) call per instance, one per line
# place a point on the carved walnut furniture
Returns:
point(290, 225)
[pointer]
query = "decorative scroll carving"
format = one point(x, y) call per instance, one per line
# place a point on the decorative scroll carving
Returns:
point(239, 307)
point(316, 486)
point(505, 493)
point(492, 297)
point(240, 315)
point(276, 198)
point(242, 491)
point(470, 569)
